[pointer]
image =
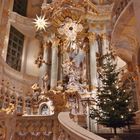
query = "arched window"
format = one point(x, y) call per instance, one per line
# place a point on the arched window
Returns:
point(49, 1)
point(20, 106)
point(28, 106)
point(12, 99)
point(6, 100)
point(44, 110)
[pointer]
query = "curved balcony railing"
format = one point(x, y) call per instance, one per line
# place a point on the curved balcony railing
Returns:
point(72, 131)
point(27, 127)
point(32, 127)
point(23, 24)
point(119, 6)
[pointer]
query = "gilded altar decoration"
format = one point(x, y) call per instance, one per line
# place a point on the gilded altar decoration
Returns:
point(9, 110)
point(45, 80)
point(70, 28)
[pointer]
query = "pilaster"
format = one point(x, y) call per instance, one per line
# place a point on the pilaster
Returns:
point(54, 63)
point(93, 71)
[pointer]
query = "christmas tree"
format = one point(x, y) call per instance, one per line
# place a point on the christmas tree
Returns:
point(113, 103)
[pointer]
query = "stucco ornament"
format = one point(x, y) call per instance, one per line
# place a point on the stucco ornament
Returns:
point(70, 28)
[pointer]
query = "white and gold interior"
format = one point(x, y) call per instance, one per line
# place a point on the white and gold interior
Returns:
point(51, 68)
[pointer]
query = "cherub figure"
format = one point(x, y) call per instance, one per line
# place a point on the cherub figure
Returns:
point(35, 87)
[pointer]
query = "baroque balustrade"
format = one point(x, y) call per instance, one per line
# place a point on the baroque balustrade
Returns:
point(14, 87)
point(35, 127)
point(70, 130)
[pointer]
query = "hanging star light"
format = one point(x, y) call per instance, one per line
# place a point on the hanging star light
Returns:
point(40, 23)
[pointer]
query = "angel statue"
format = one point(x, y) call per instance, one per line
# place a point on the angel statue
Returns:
point(45, 80)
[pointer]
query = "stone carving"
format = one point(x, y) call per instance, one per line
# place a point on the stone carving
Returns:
point(71, 71)
point(45, 79)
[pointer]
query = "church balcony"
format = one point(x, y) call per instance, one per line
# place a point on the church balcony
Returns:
point(123, 37)
point(122, 13)
point(72, 131)
point(118, 8)
point(23, 24)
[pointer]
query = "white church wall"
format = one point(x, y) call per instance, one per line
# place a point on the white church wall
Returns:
point(32, 49)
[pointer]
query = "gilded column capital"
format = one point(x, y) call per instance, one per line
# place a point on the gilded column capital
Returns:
point(92, 37)
point(104, 36)
point(45, 45)
point(55, 41)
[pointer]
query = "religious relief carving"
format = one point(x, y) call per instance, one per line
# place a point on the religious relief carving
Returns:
point(73, 76)
point(69, 29)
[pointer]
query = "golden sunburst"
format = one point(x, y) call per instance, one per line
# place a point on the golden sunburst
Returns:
point(40, 23)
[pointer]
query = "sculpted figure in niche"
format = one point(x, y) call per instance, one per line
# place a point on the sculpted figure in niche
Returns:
point(45, 79)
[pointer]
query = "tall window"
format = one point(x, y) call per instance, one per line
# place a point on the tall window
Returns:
point(20, 6)
point(15, 47)
point(49, 1)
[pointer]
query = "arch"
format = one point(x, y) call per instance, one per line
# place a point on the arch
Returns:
point(28, 106)
point(45, 108)
point(20, 105)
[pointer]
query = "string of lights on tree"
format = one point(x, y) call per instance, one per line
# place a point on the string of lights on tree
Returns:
point(114, 98)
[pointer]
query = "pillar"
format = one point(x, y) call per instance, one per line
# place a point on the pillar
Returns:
point(60, 61)
point(43, 68)
point(54, 63)
point(93, 69)
point(105, 44)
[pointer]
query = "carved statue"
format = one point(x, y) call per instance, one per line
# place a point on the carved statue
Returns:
point(45, 79)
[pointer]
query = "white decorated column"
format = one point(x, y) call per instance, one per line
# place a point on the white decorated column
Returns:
point(105, 44)
point(54, 63)
point(93, 70)
point(43, 68)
